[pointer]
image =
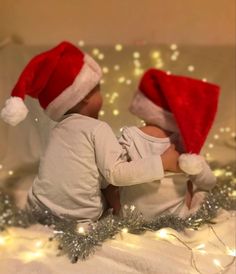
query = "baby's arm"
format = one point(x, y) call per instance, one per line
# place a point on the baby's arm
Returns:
point(112, 162)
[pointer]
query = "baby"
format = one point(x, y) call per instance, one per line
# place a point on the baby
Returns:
point(82, 152)
point(159, 102)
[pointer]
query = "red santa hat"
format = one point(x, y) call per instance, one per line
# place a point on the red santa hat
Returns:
point(178, 104)
point(59, 78)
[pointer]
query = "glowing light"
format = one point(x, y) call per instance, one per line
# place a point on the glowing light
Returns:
point(125, 230)
point(1, 166)
point(115, 112)
point(81, 230)
point(222, 129)
point(233, 134)
point(136, 55)
point(191, 68)
point(107, 95)
point(168, 72)
point(231, 252)
point(128, 82)
point(155, 54)
point(159, 64)
point(216, 136)
point(81, 43)
point(105, 69)
point(173, 57)
point(116, 67)
point(137, 63)
point(10, 172)
point(227, 129)
point(2, 240)
point(36, 120)
point(31, 256)
point(173, 46)
point(162, 233)
point(217, 263)
point(102, 81)
point(218, 172)
point(138, 71)
point(121, 79)
point(210, 145)
point(101, 113)
point(132, 208)
point(95, 52)
point(39, 244)
point(204, 79)
point(101, 56)
point(118, 47)
point(113, 97)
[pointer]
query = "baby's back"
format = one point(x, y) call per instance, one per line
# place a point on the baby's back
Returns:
point(68, 175)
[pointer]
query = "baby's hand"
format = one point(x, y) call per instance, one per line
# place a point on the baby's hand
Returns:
point(170, 159)
point(112, 196)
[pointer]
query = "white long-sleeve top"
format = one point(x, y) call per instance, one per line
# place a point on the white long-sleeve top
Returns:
point(80, 154)
point(166, 195)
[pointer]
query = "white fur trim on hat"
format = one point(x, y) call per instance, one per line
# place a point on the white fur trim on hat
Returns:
point(88, 77)
point(191, 164)
point(151, 113)
point(14, 111)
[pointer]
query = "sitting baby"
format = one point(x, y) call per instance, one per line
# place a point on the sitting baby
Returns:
point(165, 103)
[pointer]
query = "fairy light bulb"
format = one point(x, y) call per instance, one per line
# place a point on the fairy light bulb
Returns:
point(162, 233)
point(211, 145)
point(81, 230)
point(101, 113)
point(2, 240)
point(173, 46)
point(191, 68)
point(121, 79)
point(155, 55)
point(105, 70)
point(1, 166)
point(101, 56)
point(81, 43)
point(118, 47)
point(125, 230)
point(116, 67)
point(115, 112)
point(216, 136)
point(217, 263)
point(136, 55)
point(10, 172)
point(204, 79)
point(95, 52)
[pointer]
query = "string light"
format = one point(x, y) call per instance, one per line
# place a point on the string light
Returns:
point(204, 79)
point(115, 112)
point(121, 79)
point(136, 55)
point(191, 68)
point(118, 47)
point(173, 46)
point(95, 52)
point(36, 120)
point(10, 172)
point(81, 43)
point(116, 67)
point(125, 230)
point(101, 112)
point(105, 70)
point(1, 166)
point(101, 56)
point(81, 230)
point(155, 54)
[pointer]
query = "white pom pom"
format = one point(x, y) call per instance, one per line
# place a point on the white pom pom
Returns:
point(14, 111)
point(191, 164)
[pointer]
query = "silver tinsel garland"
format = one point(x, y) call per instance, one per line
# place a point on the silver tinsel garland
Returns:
point(79, 245)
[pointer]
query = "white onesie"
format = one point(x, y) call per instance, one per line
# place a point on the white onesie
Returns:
point(166, 195)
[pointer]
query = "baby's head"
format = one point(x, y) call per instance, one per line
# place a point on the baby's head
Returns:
point(90, 105)
point(63, 79)
point(177, 104)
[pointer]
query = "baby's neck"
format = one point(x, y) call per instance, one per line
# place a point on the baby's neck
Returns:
point(156, 131)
